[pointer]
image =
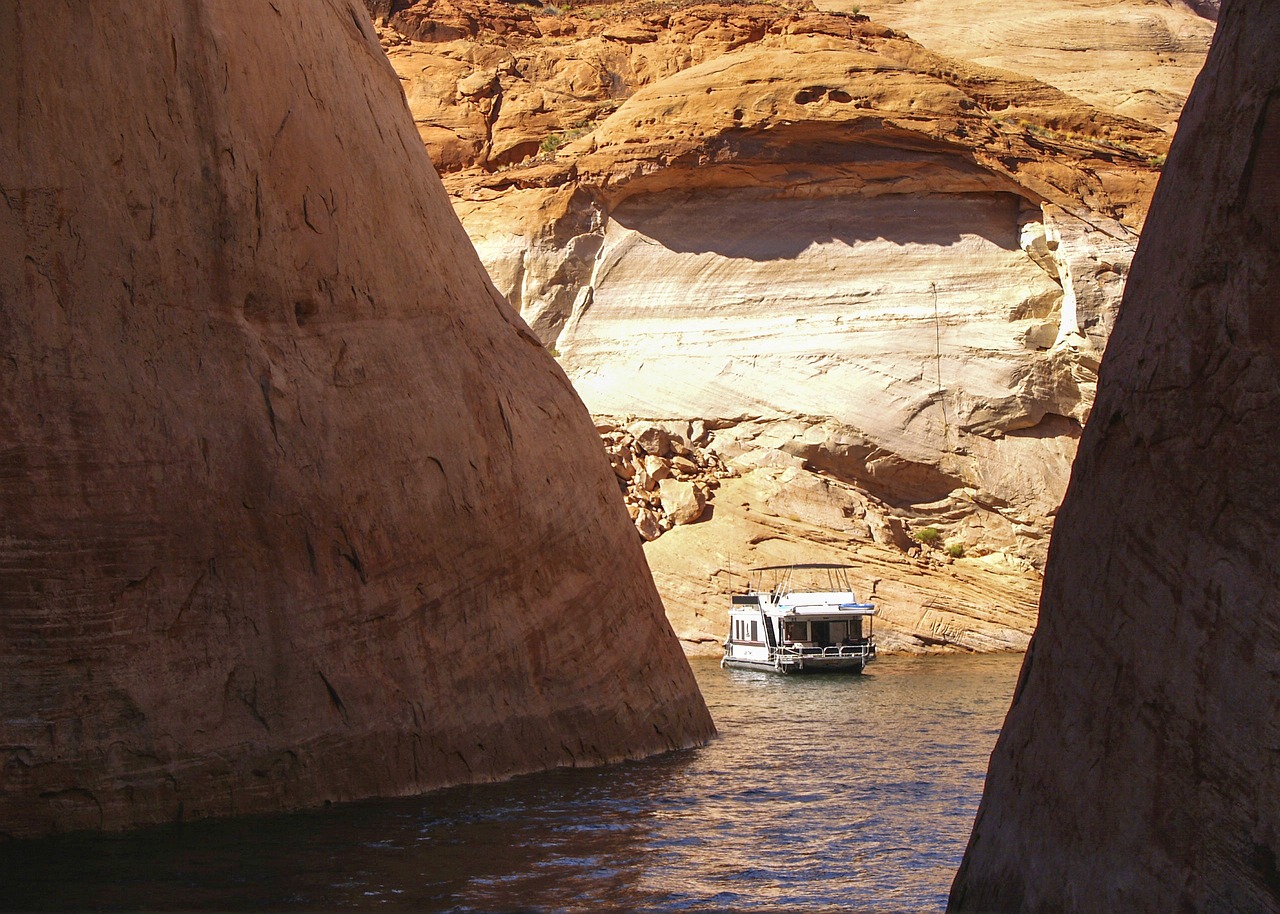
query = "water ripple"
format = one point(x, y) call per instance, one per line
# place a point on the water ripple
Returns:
point(842, 792)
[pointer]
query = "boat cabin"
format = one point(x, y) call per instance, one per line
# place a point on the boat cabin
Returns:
point(800, 618)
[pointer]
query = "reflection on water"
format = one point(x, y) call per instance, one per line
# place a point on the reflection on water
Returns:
point(820, 792)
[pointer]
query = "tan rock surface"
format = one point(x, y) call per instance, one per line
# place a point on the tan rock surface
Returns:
point(1137, 768)
point(822, 238)
point(925, 602)
point(749, 254)
point(1137, 59)
point(682, 501)
point(285, 501)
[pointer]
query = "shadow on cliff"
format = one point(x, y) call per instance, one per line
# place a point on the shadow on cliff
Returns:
point(758, 224)
point(771, 194)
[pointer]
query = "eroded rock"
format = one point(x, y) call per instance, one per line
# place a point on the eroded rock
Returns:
point(683, 502)
point(282, 516)
point(785, 223)
point(658, 500)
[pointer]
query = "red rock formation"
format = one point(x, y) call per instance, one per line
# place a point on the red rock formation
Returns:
point(293, 507)
point(1137, 770)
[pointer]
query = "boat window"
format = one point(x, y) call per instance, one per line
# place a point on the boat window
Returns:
point(839, 631)
point(797, 631)
point(755, 631)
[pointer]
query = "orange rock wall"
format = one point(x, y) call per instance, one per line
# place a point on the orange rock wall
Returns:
point(1137, 769)
point(293, 507)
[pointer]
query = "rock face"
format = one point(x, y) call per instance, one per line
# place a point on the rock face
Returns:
point(809, 228)
point(286, 483)
point(926, 601)
point(811, 234)
point(1137, 768)
point(764, 507)
point(1142, 57)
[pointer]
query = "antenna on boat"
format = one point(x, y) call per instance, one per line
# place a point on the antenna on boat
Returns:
point(942, 395)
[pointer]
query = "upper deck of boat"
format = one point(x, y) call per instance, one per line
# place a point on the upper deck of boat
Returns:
point(803, 589)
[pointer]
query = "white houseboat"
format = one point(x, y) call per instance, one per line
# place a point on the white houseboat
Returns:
point(800, 618)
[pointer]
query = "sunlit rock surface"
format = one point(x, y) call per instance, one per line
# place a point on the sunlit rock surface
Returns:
point(1135, 57)
point(836, 230)
point(818, 238)
point(1137, 768)
point(293, 507)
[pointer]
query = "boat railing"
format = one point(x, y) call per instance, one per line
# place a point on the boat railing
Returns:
point(832, 651)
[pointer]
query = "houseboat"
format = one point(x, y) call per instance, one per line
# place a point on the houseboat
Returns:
point(799, 618)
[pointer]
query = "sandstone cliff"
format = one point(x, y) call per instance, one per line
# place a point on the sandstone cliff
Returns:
point(1136, 59)
point(831, 250)
point(1137, 768)
point(286, 488)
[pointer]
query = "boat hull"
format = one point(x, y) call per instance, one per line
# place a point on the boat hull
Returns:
point(801, 665)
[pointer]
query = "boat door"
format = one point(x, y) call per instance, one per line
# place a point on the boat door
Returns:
point(770, 636)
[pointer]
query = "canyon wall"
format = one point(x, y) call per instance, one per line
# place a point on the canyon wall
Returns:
point(1137, 769)
point(808, 244)
point(293, 506)
point(1135, 59)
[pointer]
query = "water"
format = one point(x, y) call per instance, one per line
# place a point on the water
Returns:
point(850, 792)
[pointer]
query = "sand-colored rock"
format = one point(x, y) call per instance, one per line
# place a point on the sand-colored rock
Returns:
point(682, 501)
point(746, 252)
point(830, 244)
point(656, 499)
point(926, 602)
point(1138, 59)
point(285, 510)
point(1137, 768)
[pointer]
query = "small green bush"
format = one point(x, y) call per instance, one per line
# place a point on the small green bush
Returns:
point(956, 550)
point(551, 143)
point(929, 535)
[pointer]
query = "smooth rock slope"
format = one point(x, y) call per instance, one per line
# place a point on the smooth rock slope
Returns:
point(1137, 769)
point(293, 506)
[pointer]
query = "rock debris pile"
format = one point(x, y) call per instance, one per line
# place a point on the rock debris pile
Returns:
point(667, 474)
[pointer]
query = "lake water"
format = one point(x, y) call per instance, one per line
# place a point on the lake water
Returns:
point(849, 792)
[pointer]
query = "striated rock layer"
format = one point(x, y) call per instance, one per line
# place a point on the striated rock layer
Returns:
point(1137, 768)
point(1137, 59)
point(907, 264)
point(293, 507)
point(829, 246)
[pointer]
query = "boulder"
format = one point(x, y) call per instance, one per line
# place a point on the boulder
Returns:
point(683, 466)
point(658, 468)
point(648, 524)
point(682, 501)
point(623, 468)
point(654, 441)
